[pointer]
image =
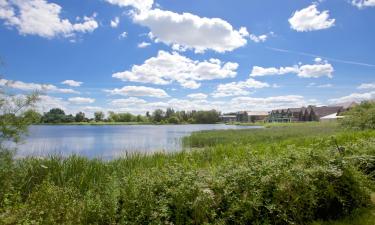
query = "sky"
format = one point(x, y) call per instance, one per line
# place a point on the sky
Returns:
point(141, 55)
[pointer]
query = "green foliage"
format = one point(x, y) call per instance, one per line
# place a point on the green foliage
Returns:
point(55, 115)
point(270, 176)
point(360, 117)
point(80, 117)
point(99, 116)
point(14, 120)
point(173, 120)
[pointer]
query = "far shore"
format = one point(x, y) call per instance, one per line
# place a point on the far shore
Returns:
point(135, 123)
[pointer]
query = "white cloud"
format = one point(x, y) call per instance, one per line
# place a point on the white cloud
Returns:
point(139, 91)
point(35, 87)
point(143, 45)
point(190, 31)
point(310, 19)
point(125, 102)
point(320, 85)
point(38, 17)
point(315, 71)
point(168, 67)
point(363, 3)
point(261, 71)
point(270, 103)
point(123, 35)
point(81, 100)
point(48, 102)
point(367, 86)
point(138, 4)
point(257, 39)
point(319, 69)
point(72, 83)
point(198, 96)
point(238, 88)
point(354, 97)
point(115, 22)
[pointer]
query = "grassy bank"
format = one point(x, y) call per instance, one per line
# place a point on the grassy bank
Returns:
point(280, 175)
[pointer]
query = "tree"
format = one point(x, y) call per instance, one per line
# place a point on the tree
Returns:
point(14, 120)
point(158, 115)
point(55, 115)
point(169, 113)
point(173, 120)
point(80, 117)
point(99, 116)
point(34, 116)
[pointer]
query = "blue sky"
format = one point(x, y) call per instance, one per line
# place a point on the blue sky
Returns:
point(139, 55)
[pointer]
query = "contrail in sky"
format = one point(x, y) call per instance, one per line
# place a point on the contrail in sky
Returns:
point(313, 55)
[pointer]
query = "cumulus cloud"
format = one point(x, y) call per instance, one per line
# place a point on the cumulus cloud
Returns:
point(238, 88)
point(115, 22)
point(190, 31)
point(123, 35)
point(137, 4)
point(81, 100)
point(143, 45)
point(367, 86)
point(168, 67)
point(72, 83)
point(363, 3)
point(310, 19)
point(35, 87)
point(319, 69)
point(197, 96)
point(354, 97)
point(38, 17)
point(139, 91)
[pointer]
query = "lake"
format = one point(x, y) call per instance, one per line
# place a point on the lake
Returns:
point(108, 142)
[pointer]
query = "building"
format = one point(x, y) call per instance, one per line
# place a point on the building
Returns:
point(331, 117)
point(228, 118)
point(304, 114)
point(257, 116)
point(244, 117)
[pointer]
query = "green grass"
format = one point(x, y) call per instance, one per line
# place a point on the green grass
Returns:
point(286, 174)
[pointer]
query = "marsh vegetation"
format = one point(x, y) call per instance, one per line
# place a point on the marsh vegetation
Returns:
point(298, 174)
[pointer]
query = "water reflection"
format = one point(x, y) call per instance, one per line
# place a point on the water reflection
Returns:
point(108, 142)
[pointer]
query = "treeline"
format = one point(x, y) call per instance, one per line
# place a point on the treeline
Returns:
point(169, 116)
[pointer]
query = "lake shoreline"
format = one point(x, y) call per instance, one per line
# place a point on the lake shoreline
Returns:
point(137, 123)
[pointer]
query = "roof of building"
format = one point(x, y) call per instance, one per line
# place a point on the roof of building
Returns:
point(228, 116)
point(295, 109)
point(331, 116)
point(257, 113)
point(326, 110)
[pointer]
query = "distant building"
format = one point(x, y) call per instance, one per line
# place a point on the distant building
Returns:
point(228, 118)
point(303, 114)
point(331, 117)
point(257, 116)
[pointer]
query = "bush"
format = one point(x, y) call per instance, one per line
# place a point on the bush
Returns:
point(173, 120)
point(360, 117)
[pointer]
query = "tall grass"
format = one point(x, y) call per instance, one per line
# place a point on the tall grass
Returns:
point(279, 175)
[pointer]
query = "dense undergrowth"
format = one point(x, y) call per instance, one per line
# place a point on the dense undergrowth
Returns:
point(279, 175)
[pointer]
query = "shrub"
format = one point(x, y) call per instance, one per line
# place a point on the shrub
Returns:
point(360, 117)
point(173, 120)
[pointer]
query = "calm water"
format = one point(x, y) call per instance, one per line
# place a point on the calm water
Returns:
point(108, 142)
